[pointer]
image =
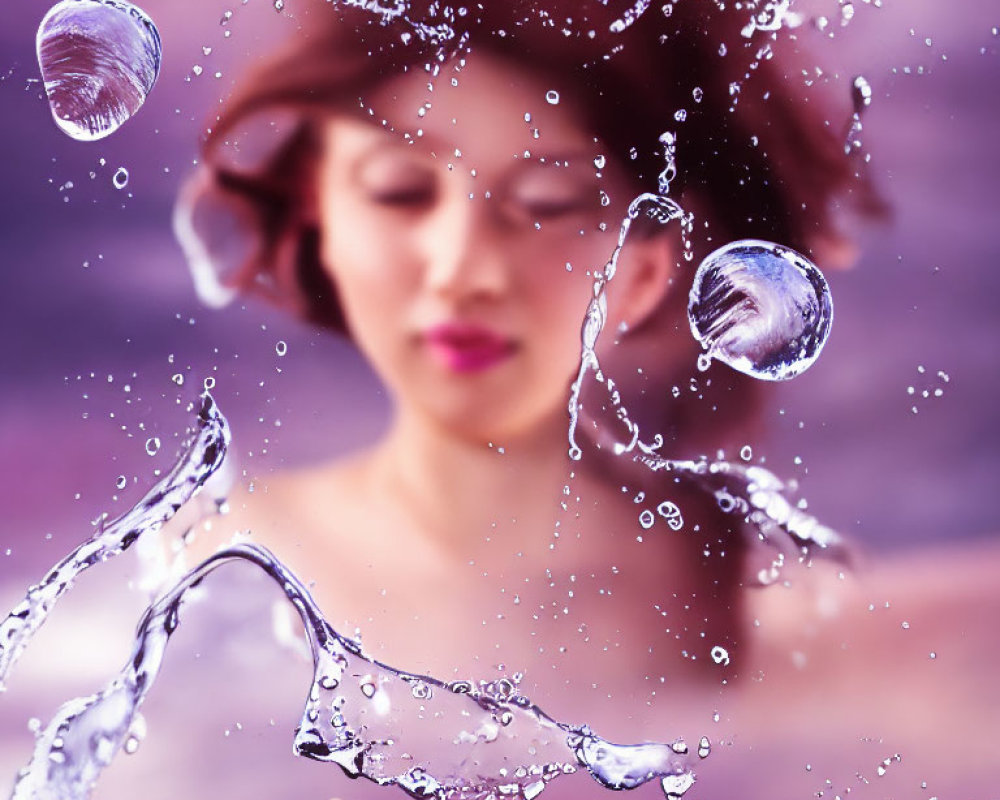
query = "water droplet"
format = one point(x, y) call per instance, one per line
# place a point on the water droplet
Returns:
point(861, 94)
point(99, 60)
point(281, 348)
point(552, 97)
point(120, 178)
point(672, 514)
point(368, 687)
point(720, 655)
point(704, 747)
point(761, 308)
point(676, 786)
point(153, 445)
point(421, 690)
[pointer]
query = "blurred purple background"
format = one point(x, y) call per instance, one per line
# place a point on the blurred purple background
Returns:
point(99, 313)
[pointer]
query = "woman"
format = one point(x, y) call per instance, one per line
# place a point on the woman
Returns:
point(445, 192)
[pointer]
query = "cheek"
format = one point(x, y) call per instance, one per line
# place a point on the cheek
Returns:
point(563, 270)
point(359, 252)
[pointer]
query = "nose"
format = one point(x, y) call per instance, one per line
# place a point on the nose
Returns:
point(464, 249)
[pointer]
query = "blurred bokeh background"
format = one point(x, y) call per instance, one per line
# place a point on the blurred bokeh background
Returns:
point(893, 434)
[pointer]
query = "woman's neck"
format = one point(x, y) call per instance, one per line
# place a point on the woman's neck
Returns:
point(458, 489)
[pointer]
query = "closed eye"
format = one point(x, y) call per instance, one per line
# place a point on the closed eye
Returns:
point(554, 208)
point(403, 197)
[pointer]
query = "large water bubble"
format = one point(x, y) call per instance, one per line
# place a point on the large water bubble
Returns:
point(761, 308)
point(99, 60)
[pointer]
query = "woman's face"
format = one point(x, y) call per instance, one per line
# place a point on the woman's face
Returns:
point(462, 236)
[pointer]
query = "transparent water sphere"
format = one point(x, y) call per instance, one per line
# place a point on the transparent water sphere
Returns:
point(761, 308)
point(99, 60)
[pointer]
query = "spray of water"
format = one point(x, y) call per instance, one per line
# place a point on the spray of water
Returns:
point(199, 462)
point(756, 306)
point(457, 740)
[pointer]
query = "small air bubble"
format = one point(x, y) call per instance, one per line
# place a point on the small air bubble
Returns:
point(746, 453)
point(552, 97)
point(281, 348)
point(120, 178)
point(153, 445)
point(720, 655)
point(121, 482)
point(646, 519)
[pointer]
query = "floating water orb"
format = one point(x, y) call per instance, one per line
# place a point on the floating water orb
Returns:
point(99, 60)
point(761, 308)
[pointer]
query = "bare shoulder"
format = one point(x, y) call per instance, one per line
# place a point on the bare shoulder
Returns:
point(905, 648)
point(930, 601)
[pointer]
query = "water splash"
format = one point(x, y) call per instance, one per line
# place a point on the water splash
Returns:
point(760, 308)
point(771, 16)
point(449, 741)
point(198, 463)
point(452, 741)
point(861, 99)
point(436, 28)
point(630, 17)
point(99, 60)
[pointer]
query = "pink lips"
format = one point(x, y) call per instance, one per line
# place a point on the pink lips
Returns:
point(467, 348)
